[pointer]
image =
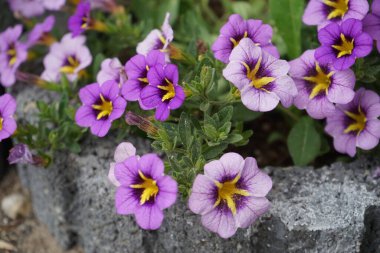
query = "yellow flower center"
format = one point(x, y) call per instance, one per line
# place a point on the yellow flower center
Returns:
point(105, 108)
point(359, 121)
point(257, 82)
point(170, 91)
point(346, 47)
point(84, 23)
point(321, 81)
point(71, 65)
point(235, 42)
point(150, 188)
point(144, 79)
point(339, 8)
point(1, 123)
point(227, 192)
point(12, 55)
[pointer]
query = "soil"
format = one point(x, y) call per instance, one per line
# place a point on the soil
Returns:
point(26, 234)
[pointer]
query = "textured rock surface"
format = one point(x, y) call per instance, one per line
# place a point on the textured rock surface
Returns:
point(332, 209)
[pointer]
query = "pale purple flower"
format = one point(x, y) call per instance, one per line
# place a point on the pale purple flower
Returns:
point(101, 106)
point(12, 54)
point(111, 69)
point(122, 152)
point(356, 124)
point(157, 39)
point(137, 71)
point(230, 194)
point(80, 21)
point(20, 154)
point(27, 8)
point(261, 78)
point(320, 86)
point(323, 12)
point(163, 92)
point(39, 33)
point(69, 57)
point(7, 122)
point(31, 8)
point(237, 29)
point(376, 173)
point(342, 44)
point(53, 4)
point(371, 23)
point(144, 190)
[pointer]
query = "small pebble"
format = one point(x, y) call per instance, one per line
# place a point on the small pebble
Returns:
point(15, 205)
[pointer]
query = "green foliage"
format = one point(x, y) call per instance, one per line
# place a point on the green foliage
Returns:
point(304, 141)
point(287, 15)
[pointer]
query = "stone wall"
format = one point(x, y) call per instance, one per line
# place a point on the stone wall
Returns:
point(331, 209)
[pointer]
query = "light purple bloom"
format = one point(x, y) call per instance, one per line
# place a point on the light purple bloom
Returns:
point(111, 69)
point(101, 106)
point(31, 8)
point(53, 5)
point(137, 71)
point(261, 78)
point(342, 44)
point(323, 12)
point(20, 154)
point(69, 57)
point(371, 23)
point(144, 190)
point(163, 92)
point(7, 109)
point(39, 33)
point(157, 40)
point(356, 124)
point(12, 54)
point(80, 21)
point(237, 29)
point(320, 86)
point(230, 194)
point(122, 152)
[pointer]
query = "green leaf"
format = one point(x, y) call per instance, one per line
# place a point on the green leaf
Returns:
point(287, 15)
point(304, 142)
point(184, 130)
point(213, 152)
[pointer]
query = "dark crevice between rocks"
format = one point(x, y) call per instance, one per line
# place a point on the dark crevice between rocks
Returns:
point(371, 238)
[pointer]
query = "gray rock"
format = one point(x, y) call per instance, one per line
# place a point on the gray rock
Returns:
point(332, 209)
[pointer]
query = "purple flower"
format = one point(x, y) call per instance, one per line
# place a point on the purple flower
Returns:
point(236, 29)
point(12, 54)
point(163, 93)
point(69, 57)
point(101, 106)
point(7, 109)
point(31, 8)
point(320, 86)
point(371, 23)
point(144, 190)
point(137, 71)
point(231, 194)
point(106, 5)
point(27, 8)
point(40, 32)
point(122, 152)
point(356, 124)
point(53, 5)
point(20, 154)
point(156, 39)
point(323, 12)
point(111, 69)
point(342, 44)
point(261, 78)
point(80, 21)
